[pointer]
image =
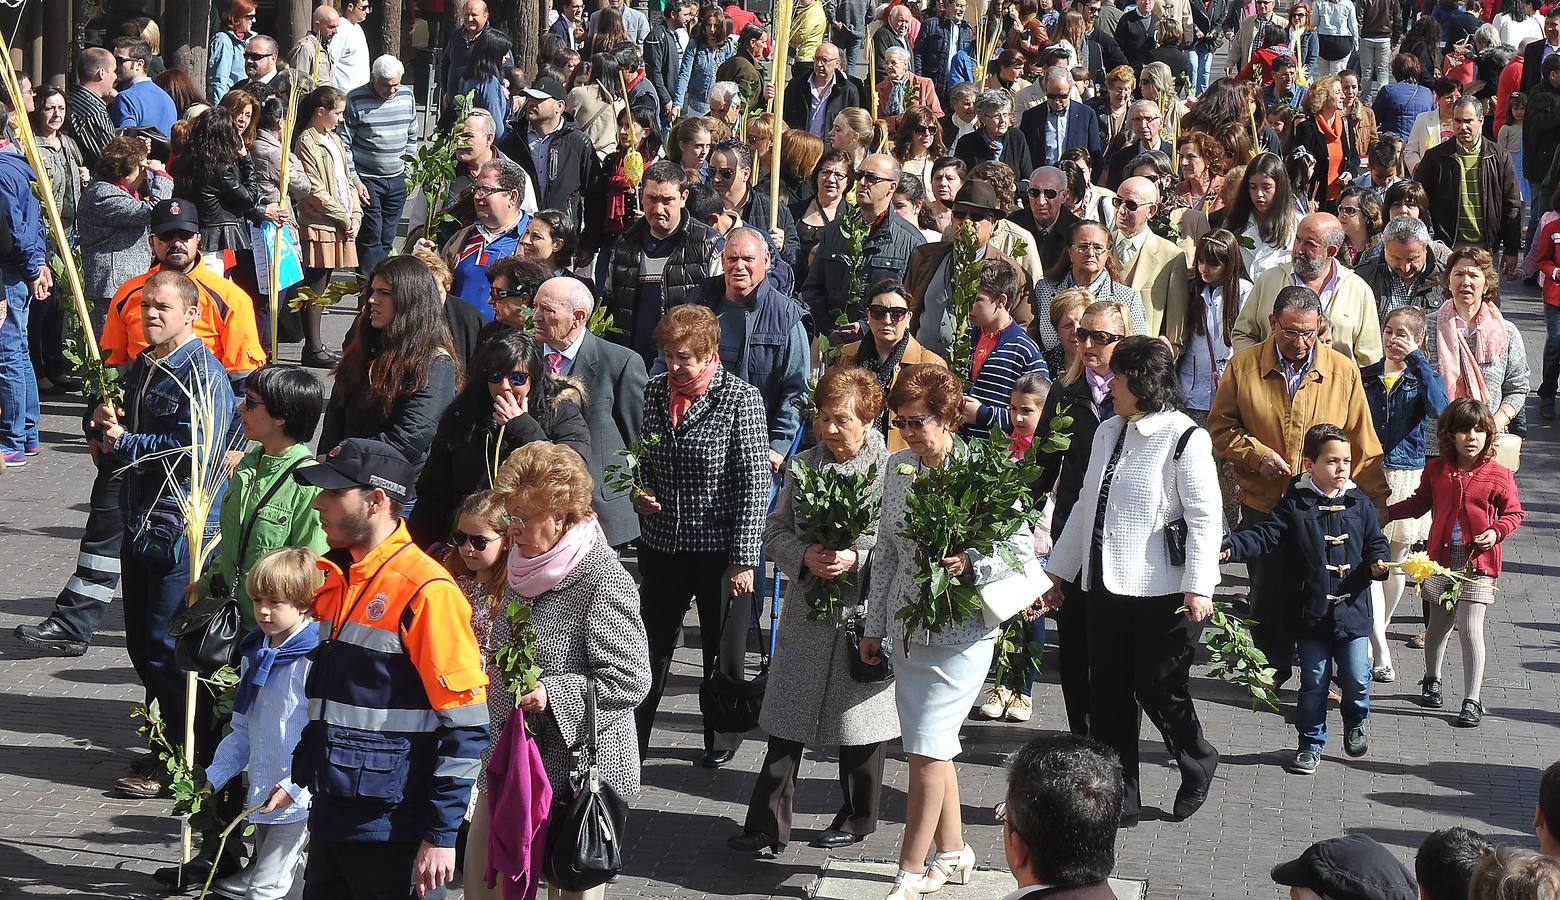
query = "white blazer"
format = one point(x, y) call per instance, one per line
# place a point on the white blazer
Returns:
point(1149, 491)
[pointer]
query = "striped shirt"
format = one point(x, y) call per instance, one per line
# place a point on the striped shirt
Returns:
point(1016, 354)
point(89, 123)
point(380, 131)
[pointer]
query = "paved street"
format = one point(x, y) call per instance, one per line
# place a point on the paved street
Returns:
point(66, 735)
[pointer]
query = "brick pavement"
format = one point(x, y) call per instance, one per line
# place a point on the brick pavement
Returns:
point(65, 735)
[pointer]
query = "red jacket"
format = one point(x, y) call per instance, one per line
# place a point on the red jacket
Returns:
point(1479, 498)
point(1549, 260)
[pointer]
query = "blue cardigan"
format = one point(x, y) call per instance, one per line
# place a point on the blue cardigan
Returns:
point(1328, 546)
point(1399, 414)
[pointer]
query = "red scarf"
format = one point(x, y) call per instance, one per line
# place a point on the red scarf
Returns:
point(617, 200)
point(684, 393)
point(1019, 448)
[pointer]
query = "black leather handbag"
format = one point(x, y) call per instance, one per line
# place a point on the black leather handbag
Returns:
point(585, 831)
point(861, 672)
point(1175, 532)
point(206, 635)
point(731, 704)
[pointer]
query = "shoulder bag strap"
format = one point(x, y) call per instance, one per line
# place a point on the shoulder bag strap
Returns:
point(249, 526)
point(1180, 445)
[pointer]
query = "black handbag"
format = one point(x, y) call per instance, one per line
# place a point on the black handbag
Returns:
point(585, 830)
point(206, 635)
point(861, 672)
point(729, 703)
point(1175, 532)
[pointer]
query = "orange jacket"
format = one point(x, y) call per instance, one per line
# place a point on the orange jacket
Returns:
point(226, 324)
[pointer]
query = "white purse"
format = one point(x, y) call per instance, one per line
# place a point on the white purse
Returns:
point(1005, 598)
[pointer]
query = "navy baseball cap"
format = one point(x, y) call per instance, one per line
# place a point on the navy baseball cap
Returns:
point(1353, 867)
point(176, 214)
point(362, 462)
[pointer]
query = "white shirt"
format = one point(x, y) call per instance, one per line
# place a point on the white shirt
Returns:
point(568, 352)
point(1207, 354)
point(350, 47)
point(1519, 34)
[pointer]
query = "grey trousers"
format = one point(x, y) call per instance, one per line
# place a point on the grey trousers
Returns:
point(1375, 67)
point(276, 872)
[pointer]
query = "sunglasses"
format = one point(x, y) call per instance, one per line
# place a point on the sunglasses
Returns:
point(1103, 338)
point(516, 379)
point(478, 542)
point(927, 129)
point(256, 57)
point(1131, 205)
point(961, 214)
point(902, 423)
point(724, 173)
point(1063, 95)
point(1047, 193)
point(500, 295)
point(869, 179)
point(891, 313)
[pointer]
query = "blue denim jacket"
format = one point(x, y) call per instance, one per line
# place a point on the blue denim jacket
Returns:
point(1399, 414)
point(696, 75)
point(159, 420)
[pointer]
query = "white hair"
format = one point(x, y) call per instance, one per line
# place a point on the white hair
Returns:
point(572, 290)
point(386, 68)
point(1149, 105)
point(1059, 73)
point(724, 91)
point(897, 53)
point(489, 125)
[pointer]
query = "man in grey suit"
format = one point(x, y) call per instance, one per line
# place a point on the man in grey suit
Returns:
point(614, 378)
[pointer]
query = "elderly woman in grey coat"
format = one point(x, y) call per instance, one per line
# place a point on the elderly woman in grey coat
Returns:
point(812, 700)
point(584, 625)
point(114, 217)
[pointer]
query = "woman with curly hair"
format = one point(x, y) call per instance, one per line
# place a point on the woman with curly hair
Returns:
point(214, 172)
point(399, 371)
point(245, 108)
point(1203, 164)
point(918, 143)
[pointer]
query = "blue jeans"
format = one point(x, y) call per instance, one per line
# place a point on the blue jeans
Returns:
point(152, 597)
point(1318, 656)
point(19, 409)
point(1201, 59)
point(381, 219)
point(1546, 387)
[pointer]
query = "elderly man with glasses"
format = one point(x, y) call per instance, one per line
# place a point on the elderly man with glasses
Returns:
point(1045, 215)
point(1148, 263)
point(812, 103)
point(1146, 124)
point(1060, 123)
point(995, 139)
point(1271, 393)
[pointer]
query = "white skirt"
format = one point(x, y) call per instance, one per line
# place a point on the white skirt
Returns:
point(935, 688)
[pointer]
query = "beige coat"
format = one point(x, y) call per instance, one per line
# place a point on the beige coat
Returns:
point(322, 219)
point(596, 114)
point(1158, 272)
point(1247, 34)
point(1356, 329)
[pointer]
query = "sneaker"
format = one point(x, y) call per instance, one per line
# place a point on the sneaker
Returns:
point(1418, 640)
point(1021, 708)
point(1383, 674)
point(1354, 743)
point(33, 449)
point(996, 703)
point(1304, 763)
point(15, 459)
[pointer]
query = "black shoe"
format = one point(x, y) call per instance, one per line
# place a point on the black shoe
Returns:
point(834, 839)
point(1430, 693)
point(1546, 408)
point(320, 359)
point(66, 383)
point(1354, 742)
point(1128, 819)
point(714, 759)
point(1472, 714)
point(1189, 799)
point(50, 638)
point(190, 877)
point(756, 843)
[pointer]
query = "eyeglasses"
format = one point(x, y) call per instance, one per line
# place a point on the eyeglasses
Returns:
point(1047, 193)
point(477, 541)
point(1000, 115)
point(1103, 338)
point(1295, 335)
point(1141, 119)
point(253, 403)
point(484, 190)
point(833, 175)
point(724, 173)
point(501, 295)
point(891, 313)
point(917, 422)
point(826, 59)
point(959, 215)
point(1090, 249)
point(1350, 211)
point(1131, 205)
point(869, 178)
point(252, 57)
point(516, 379)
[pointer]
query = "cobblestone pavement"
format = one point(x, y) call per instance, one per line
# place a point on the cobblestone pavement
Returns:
point(66, 734)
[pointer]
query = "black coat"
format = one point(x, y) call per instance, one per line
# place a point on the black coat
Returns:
point(1051, 243)
point(465, 326)
point(460, 460)
point(571, 161)
point(885, 252)
point(1014, 152)
point(689, 262)
point(1116, 166)
point(793, 109)
point(1063, 472)
point(408, 426)
point(1309, 135)
point(1135, 37)
point(1323, 571)
point(224, 200)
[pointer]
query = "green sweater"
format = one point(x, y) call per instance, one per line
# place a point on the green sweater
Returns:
point(1470, 222)
point(287, 521)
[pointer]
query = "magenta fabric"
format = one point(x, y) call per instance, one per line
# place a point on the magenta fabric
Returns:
point(519, 798)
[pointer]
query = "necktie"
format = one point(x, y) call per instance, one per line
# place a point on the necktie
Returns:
point(1122, 249)
point(554, 362)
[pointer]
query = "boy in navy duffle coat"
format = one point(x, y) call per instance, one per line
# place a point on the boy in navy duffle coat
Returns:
point(1326, 539)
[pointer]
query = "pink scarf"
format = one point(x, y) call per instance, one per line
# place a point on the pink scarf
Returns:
point(1459, 363)
point(536, 575)
point(685, 392)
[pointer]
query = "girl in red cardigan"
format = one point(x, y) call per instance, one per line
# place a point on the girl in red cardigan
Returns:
point(1473, 506)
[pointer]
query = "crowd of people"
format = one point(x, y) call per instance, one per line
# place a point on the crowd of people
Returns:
point(1255, 317)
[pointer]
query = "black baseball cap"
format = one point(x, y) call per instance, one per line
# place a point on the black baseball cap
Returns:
point(1353, 867)
point(362, 462)
point(175, 215)
point(546, 88)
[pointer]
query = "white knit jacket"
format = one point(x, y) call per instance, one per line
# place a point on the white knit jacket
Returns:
point(1149, 490)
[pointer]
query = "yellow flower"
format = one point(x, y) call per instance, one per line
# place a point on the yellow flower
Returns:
point(1420, 567)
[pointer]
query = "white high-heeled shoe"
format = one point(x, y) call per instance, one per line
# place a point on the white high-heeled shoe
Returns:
point(907, 886)
point(946, 868)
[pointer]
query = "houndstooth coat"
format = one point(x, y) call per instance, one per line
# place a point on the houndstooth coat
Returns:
point(589, 623)
point(811, 697)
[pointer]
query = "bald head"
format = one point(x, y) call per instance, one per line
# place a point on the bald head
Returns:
point(1318, 238)
point(326, 21)
point(473, 17)
point(1136, 202)
point(563, 306)
point(878, 179)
